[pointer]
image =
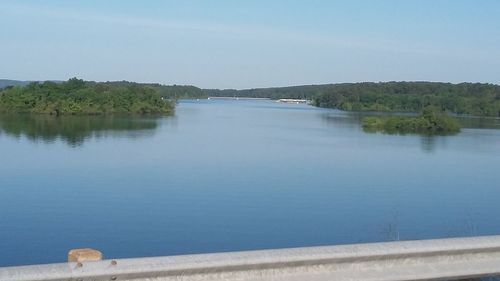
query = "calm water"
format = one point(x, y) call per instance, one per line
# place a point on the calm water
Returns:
point(235, 175)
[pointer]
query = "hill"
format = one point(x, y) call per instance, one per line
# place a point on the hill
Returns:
point(4, 83)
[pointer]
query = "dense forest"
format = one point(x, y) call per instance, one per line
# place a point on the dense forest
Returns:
point(432, 121)
point(465, 98)
point(79, 97)
point(293, 92)
point(171, 92)
point(477, 99)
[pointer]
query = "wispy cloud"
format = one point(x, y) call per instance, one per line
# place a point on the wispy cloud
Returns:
point(253, 32)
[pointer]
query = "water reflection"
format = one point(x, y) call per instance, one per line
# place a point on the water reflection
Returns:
point(479, 122)
point(428, 143)
point(342, 119)
point(75, 130)
point(229, 176)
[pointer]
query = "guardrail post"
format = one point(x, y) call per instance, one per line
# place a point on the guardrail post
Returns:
point(83, 255)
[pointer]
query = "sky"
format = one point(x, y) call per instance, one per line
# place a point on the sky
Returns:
point(249, 44)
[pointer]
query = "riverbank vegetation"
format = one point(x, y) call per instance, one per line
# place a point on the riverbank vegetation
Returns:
point(170, 92)
point(465, 98)
point(77, 97)
point(432, 121)
point(476, 99)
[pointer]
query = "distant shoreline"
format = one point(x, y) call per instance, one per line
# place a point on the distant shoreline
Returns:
point(236, 98)
point(475, 99)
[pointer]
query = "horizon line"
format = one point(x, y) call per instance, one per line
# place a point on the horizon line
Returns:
point(263, 87)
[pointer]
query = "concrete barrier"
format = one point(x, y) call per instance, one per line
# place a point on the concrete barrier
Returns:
point(438, 259)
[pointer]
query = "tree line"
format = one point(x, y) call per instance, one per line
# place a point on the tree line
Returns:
point(76, 96)
point(477, 99)
point(465, 98)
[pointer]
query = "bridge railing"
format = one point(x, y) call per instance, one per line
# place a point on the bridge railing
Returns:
point(438, 259)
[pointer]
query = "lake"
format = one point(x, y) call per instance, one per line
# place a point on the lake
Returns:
point(229, 175)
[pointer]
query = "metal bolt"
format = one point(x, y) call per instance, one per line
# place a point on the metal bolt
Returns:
point(79, 264)
point(113, 277)
point(113, 262)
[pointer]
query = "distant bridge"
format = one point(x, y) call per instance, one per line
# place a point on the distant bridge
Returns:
point(294, 101)
point(236, 98)
point(438, 259)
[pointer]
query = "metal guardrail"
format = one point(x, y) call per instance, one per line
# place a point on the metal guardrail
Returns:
point(438, 259)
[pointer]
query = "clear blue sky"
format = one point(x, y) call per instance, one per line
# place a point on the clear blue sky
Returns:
point(243, 44)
